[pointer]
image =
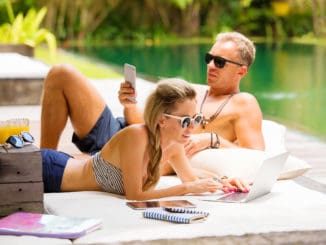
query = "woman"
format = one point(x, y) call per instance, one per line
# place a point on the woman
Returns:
point(130, 163)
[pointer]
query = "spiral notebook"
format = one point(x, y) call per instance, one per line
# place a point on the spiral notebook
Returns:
point(176, 215)
point(46, 225)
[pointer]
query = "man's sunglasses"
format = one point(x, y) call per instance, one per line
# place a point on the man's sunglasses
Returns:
point(186, 121)
point(18, 140)
point(219, 61)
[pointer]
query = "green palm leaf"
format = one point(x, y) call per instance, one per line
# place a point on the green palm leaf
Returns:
point(26, 30)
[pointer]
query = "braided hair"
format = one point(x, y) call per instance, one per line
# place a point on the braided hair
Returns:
point(162, 100)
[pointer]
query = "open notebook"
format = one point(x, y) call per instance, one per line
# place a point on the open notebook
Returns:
point(263, 183)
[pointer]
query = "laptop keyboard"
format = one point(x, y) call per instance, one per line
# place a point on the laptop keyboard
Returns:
point(234, 197)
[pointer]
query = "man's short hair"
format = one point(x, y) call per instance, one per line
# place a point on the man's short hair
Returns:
point(246, 47)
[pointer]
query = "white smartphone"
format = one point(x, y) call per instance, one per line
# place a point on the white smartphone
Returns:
point(130, 76)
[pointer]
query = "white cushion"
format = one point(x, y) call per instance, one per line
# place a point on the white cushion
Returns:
point(242, 163)
point(33, 240)
point(294, 167)
point(123, 225)
point(274, 136)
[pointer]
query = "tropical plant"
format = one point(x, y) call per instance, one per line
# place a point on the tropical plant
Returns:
point(26, 29)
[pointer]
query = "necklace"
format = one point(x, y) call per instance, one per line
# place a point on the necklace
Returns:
point(205, 120)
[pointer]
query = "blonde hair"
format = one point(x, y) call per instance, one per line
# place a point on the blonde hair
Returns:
point(162, 100)
point(246, 47)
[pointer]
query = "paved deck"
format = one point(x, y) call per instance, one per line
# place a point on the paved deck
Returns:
point(311, 150)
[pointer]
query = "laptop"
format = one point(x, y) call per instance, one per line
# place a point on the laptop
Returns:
point(266, 177)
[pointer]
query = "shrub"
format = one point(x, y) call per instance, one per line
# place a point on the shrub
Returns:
point(26, 29)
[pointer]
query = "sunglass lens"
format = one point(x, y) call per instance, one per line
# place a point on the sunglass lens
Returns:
point(219, 62)
point(185, 123)
point(15, 141)
point(208, 58)
point(27, 137)
point(197, 120)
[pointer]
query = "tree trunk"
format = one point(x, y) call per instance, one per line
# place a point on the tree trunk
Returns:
point(191, 20)
point(318, 13)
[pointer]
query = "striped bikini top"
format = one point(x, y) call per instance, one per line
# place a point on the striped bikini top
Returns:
point(107, 176)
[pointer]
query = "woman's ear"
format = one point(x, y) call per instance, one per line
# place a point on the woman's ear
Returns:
point(161, 121)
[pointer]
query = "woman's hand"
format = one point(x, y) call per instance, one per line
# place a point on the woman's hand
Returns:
point(202, 185)
point(232, 185)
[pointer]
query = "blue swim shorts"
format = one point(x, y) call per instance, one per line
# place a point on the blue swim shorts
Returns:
point(105, 127)
point(54, 163)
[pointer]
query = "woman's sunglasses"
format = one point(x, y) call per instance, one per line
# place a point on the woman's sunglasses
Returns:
point(186, 121)
point(219, 61)
point(18, 140)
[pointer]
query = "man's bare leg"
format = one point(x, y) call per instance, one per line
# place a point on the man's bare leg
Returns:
point(68, 94)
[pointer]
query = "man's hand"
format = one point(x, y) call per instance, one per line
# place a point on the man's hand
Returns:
point(125, 93)
point(131, 112)
point(197, 142)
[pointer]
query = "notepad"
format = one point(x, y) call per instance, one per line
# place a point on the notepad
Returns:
point(176, 215)
point(46, 225)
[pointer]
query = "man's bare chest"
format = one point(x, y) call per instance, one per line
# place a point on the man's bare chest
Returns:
point(219, 116)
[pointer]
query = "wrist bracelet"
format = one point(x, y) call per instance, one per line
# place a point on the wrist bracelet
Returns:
point(218, 142)
point(216, 145)
point(211, 145)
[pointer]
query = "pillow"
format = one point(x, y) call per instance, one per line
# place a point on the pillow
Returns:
point(274, 136)
point(242, 163)
point(294, 167)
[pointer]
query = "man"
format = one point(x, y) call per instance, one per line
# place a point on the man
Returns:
point(232, 119)
point(234, 116)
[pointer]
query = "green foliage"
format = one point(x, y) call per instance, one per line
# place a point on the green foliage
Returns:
point(182, 4)
point(26, 30)
point(10, 11)
point(298, 24)
point(152, 21)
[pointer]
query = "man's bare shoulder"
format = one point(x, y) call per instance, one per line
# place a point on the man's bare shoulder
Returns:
point(245, 103)
point(244, 99)
point(200, 88)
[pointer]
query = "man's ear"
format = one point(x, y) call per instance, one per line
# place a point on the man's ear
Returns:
point(243, 70)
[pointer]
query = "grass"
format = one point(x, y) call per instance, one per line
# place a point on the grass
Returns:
point(88, 67)
point(93, 68)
